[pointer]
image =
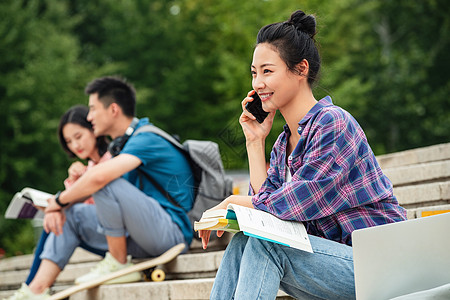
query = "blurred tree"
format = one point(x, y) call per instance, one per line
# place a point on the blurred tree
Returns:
point(189, 60)
point(387, 62)
point(41, 77)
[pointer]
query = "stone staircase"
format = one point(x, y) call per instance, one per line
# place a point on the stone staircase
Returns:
point(421, 179)
point(189, 276)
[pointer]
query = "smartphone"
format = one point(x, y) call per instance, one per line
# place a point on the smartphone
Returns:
point(255, 108)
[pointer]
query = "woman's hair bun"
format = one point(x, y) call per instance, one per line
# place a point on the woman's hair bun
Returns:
point(303, 22)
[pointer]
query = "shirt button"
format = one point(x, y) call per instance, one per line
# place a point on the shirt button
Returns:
point(290, 157)
point(299, 130)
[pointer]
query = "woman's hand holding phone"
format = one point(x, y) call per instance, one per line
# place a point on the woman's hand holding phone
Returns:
point(253, 129)
point(256, 109)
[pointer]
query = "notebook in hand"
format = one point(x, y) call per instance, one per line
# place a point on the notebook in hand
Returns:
point(23, 204)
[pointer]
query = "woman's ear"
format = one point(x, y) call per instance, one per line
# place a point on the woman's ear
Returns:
point(303, 68)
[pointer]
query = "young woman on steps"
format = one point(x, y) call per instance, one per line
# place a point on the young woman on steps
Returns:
point(322, 173)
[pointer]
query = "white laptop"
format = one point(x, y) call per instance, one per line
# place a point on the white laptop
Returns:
point(401, 258)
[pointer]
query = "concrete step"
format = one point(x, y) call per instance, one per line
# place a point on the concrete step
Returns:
point(192, 289)
point(186, 266)
point(415, 156)
point(8, 293)
point(428, 210)
point(169, 289)
point(14, 270)
point(23, 262)
point(428, 194)
point(420, 173)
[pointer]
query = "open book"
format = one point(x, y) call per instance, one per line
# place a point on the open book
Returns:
point(256, 223)
point(22, 205)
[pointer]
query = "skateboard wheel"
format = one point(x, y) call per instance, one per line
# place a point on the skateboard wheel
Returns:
point(158, 275)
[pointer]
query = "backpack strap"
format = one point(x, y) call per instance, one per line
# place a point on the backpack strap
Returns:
point(173, 141)
point(157, 186)
point(160, 132)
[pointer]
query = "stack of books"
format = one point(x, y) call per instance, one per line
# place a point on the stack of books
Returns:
point(256, 223)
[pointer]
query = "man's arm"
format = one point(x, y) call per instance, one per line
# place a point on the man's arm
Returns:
point(96, 178)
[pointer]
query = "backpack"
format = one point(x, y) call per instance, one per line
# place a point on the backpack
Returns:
point(211, 184)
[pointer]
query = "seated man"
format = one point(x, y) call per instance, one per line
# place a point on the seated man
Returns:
point(135, 217)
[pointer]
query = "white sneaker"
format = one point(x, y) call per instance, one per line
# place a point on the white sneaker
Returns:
point(24, 293)
point(109, 265)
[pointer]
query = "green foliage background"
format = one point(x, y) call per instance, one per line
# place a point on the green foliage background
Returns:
point(384, 61)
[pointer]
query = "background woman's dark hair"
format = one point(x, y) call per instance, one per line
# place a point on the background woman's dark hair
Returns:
point(113, 89)
point(78, 115)
point(294, 41)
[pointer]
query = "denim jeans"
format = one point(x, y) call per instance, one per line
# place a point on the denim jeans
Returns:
point(255, 269)
point(37, 257)
point(40, 247)
point(80, 229)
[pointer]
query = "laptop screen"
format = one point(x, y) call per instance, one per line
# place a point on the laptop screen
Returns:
point(401, 258)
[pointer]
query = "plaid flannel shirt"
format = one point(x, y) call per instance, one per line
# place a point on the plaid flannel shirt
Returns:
point(337, 185)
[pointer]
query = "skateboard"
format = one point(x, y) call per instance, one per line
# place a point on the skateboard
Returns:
point(156, 274)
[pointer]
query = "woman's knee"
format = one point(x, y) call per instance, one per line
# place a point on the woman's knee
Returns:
point(236, 247)
point(239, 241)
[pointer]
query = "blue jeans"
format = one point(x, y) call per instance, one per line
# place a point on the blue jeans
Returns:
point(80, 229)
point(255, 269)
point(37, 257)
point(40, 247)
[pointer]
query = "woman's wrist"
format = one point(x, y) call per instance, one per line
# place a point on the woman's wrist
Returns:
point(240, 200)
point(256, 144)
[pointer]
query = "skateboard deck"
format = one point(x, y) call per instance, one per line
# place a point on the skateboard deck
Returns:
point(153, 262)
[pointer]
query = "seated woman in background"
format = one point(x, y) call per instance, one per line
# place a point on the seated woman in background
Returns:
point(322, 173)
point(77, 224)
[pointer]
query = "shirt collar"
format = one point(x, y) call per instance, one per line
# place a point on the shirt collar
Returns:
point(142, 122)
point(324, 102)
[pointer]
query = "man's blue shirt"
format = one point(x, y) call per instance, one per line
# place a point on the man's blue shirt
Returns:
point(168, 166)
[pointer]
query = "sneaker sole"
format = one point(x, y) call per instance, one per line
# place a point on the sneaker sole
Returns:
point(132, 277)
